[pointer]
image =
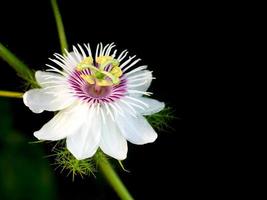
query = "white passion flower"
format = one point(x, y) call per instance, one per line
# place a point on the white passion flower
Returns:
point(99, 101)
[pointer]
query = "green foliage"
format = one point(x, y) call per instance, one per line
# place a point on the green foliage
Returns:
point(23, 171)
point(22, 70)
point(162, 119)
point(65, 161)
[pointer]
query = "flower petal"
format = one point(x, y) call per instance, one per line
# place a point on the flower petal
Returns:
point(136, 129)
point(65, 123)
point(112, 141)
point(154, 106)
point(46, 79)
point(85, 142)
point(50, 99)
point(140, 81)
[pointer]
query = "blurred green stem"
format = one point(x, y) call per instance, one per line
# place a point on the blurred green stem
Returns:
point(22, 69)
point(114, 180)
point(60, 27)
point(10, 94)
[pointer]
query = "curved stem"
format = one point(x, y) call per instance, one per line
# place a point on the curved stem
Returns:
point(10, 94)
point(60, 27)
point(114, 179)
point(22, 69)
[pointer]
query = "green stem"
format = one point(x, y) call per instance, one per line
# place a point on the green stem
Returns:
point(114, 179)
point(60, 27)
point(10, 94)
point(22, 69)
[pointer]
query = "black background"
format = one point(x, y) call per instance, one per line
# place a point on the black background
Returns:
point(165, 36)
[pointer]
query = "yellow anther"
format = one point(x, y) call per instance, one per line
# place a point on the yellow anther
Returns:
point(103, 59)
point(116, 71)
point(90, 79)
point(86, 63)
point(103, 82)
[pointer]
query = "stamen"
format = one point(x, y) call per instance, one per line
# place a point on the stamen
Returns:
point(86, 63)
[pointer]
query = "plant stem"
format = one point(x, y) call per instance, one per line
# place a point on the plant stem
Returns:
point(60, 27)
point(10, 94)
point(22, 69)
point(114, 180)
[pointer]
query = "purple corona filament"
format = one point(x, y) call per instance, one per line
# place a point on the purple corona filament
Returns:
point(92, 93)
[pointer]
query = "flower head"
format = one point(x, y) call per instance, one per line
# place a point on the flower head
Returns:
point(100, 101)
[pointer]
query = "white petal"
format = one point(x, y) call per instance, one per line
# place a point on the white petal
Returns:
point(154, 106)
point(112, 141)
point(50, 99)
point(45, 79)
point(136, 130)
point(140, 81)
point(65, 123)
point(85, 142)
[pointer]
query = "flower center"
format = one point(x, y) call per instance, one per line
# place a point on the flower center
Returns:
point(96, 91)
point(98, 81)
point(105, 71)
